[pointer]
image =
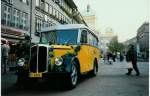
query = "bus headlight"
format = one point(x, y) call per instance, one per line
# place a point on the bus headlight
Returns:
point(58, 61)
point(21, 62)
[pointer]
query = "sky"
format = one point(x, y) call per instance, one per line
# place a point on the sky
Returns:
point(123, 16)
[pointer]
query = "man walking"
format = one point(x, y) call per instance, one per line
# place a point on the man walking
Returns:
point(132, 57)
point(24, 48)
point(5, 50)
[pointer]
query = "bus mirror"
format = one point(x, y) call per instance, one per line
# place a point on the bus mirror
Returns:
point(77, 48)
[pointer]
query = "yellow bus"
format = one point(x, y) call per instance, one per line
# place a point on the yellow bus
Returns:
point(69, 50)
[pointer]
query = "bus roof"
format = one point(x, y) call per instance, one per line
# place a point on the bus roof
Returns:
point(67, 26)
point(64, 27)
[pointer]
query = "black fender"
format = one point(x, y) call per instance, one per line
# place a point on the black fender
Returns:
point(21, 71)
point(68, 59)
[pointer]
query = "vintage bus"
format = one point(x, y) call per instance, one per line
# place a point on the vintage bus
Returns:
point(69, 50)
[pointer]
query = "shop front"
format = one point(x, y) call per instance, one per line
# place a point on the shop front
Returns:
point(13, 37)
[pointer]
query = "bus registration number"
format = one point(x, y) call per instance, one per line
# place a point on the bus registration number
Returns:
point(35, 75)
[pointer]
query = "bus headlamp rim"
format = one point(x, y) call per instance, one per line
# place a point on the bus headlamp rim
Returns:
point(58, 61)
point(21, 62)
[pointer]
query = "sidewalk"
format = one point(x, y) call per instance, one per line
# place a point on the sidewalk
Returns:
point(121, 68)
point(8, 80)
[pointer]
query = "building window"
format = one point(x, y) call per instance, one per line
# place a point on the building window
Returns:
point(83, 36)
point(9, 1)
point(3, 21)
point(63, 19)
point(37, 2)
point(14, 18)
point(56, 1)
point(26, 22)
point(43, 23)
point(18, 18)
point(60, 2)
point(39, 23)
point(21, 21)
point(47, 23)
point(46, 7)
point(54, 11)
point(7, 15)
point(50, 9)
point(25, 1)
point(60, 16)
point(56, 14)
point(42, 5)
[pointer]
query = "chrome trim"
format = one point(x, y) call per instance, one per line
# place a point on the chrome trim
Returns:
point(37, 59)
point(79, 36)
point(30, 56)
point(37, 65)
point(47, 61)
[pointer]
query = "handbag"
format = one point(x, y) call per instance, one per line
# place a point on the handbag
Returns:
point(129, 65)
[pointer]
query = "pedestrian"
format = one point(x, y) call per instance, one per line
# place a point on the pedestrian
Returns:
point(109, 57)
point(24, 48)
point(114, 57)
point(105, 57)
point(121, 57)
point(131, 57)
point(5, 54)
point(19, 49)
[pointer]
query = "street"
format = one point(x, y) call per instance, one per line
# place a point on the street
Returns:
point(110, 81)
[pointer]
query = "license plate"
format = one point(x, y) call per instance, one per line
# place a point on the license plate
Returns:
point(35, 75)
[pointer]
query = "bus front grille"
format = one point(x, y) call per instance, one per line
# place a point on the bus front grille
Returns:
point(38, 60)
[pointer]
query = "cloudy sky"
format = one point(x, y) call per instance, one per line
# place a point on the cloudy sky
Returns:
point(123, 16)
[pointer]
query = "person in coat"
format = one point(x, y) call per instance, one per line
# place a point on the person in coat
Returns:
point(5, 54)
point(131, 56)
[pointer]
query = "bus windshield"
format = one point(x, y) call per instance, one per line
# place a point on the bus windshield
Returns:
point(60, 37)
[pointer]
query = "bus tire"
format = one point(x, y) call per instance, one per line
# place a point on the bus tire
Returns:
point(94, 72)
point(73, 76)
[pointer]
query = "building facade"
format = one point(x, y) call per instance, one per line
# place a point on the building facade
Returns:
point(16, 21)
point(105, 39)
point(132, 41)
point(143, 40)
point(90, 19)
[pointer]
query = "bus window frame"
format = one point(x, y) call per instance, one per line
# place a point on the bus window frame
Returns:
point(81, 36)
point(88, 32)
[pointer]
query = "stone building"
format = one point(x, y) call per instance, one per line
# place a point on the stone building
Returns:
point(105, 39)
point(16, 21)
point(143, 40)
point(132, 41)
point(91, 19)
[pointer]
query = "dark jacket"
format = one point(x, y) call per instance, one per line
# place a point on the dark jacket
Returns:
point(131, 55)
point(23, 50)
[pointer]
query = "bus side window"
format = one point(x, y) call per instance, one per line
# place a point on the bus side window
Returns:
point(83, 36)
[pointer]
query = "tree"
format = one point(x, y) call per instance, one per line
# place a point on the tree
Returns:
point(114, 46)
